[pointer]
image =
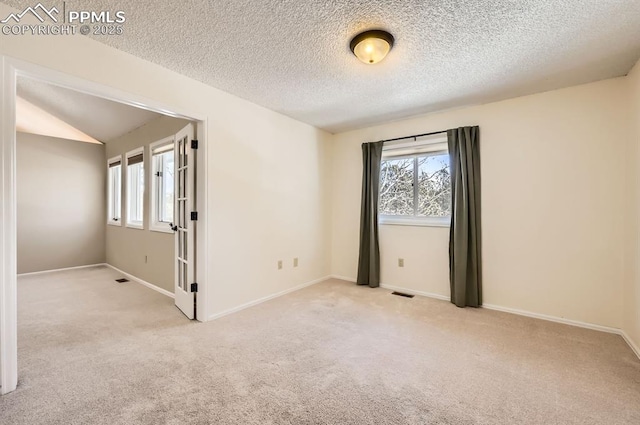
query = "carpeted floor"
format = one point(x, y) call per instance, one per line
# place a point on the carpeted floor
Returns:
point(93, 351)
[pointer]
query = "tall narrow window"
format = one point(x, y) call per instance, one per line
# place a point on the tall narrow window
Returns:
point(135, 188)
point(114, 192)
point(162, 200)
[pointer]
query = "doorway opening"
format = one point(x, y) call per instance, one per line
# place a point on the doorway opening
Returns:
point(187, 227)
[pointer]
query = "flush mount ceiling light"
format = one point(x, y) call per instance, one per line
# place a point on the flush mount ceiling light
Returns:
point(372, 46)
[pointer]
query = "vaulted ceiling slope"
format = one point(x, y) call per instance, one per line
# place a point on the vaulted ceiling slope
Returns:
point(293, 56)
point(101, 119)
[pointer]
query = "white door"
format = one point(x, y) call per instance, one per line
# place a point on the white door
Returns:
point(185, 218)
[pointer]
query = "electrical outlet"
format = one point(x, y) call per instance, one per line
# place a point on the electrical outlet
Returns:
point(279, 264)
point(295, 262)
point(400, 262)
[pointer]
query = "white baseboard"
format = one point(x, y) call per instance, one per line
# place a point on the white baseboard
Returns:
point(555, 319)
point(267, 298)
point(399, 289)
point(142, 282)
point(62, 270)
point(130, 276)
point(414, 292)
point(631, 343)
point(348, 279)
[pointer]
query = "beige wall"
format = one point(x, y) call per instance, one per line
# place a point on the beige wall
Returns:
point(146, 254)
point(553, 201)
point(632, 283)
point(61, 203)
point(554, 191)
point(268, 191)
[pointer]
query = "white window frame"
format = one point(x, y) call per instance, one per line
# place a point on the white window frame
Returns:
point(134, 224)
point(110, 218)
point(154, 224)
point(430, 146)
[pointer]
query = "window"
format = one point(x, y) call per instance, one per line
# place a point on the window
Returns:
point(415, 184)
point(114, 205)
point(135, 188)
point(162, 185)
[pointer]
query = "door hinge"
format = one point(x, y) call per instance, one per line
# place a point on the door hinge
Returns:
point(194, 216)
point(194, 287)
point(194, 144)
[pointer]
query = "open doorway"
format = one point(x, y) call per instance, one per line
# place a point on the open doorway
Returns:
point(184, 232)
point(139, 223)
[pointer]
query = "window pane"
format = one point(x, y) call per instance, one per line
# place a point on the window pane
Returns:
point(434, 183)
point(165, 206)
point(396, 187)
point(117, 213)
point(114, 193)
point(135, 175)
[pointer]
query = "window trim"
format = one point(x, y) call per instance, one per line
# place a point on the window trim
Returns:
point(398, 220)
point(413, 149)
point(154, 224)
point(128, 223)
point(110, 220)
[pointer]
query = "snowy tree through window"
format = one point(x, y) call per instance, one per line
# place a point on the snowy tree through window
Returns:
point(416, 187)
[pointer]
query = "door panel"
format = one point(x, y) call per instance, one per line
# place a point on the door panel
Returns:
point(185, 227)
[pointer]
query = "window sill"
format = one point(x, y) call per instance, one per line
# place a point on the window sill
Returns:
point(138, 226)
point(161, 228)
point(426, 222)
point(114, 223)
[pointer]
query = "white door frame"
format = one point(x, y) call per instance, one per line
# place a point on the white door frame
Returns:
point(10, 69)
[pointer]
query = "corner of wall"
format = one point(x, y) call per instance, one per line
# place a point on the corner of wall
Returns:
point(631, 293)
point(327, 142)
point(60, 186)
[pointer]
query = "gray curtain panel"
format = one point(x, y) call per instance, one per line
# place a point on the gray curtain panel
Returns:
point(465, 239)
point(369, 258)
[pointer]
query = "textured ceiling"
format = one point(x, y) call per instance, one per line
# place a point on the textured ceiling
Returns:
point(99, 118)
point(293, 56)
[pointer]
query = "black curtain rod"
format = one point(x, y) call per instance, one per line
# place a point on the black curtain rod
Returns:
point(414, 136)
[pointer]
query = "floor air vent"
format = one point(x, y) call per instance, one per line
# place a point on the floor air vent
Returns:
point(400, 294)
point(123, 280)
